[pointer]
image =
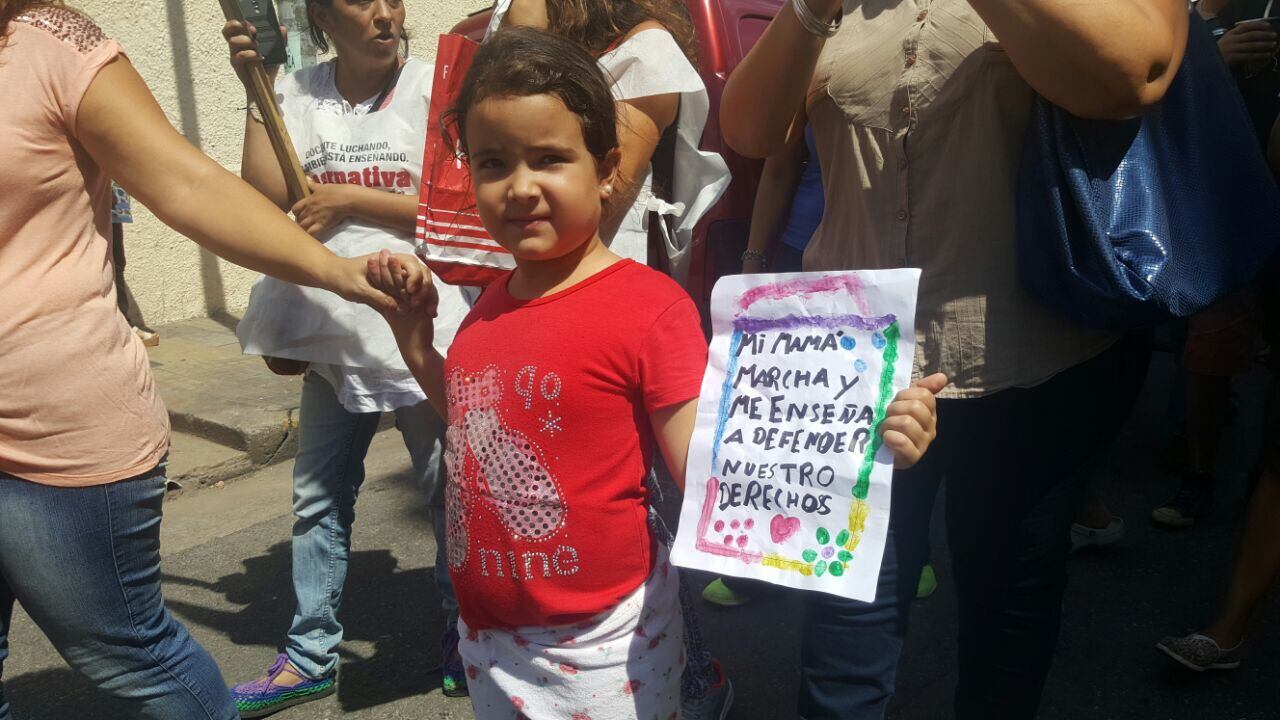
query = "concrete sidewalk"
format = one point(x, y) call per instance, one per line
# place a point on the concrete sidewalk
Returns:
point(230, 414)
point(216, 393)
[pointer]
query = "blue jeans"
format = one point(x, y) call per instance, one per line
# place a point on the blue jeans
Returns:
point(85, 565)
point(1009, 461)
point(327, 474)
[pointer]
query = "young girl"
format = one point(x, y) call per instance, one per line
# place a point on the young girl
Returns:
point(357, 123)
point(560, 380)
point(648, 50)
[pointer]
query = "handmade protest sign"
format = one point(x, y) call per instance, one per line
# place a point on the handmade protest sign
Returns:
point(788, 479)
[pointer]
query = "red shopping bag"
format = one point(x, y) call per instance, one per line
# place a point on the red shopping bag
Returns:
point(452, 240)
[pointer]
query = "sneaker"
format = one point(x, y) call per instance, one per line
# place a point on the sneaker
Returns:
point(928, 582)
point(1193, 502)
point(1200, 652)
point(715, 704)
point(1083, 536)
point(453, 675)
point(717, 593)
point(264, 696)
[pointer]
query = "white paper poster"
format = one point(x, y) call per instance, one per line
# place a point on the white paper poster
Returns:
point(788, 480)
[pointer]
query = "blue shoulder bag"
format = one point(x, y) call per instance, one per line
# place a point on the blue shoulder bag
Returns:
point(1124, 224)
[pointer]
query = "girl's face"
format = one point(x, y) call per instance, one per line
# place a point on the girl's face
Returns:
point(369, 28)
point(538, 189)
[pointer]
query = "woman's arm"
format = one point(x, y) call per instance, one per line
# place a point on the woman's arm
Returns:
point(773, 200)
point(329, 205)
point(1094, 58)
point(127, 134)
point(258, 164)
point(641, 122)
point(526, 13)
point(767, 90)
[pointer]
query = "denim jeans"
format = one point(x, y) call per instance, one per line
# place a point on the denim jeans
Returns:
point(1009, 460)
point(327, 474)
point(85, 565)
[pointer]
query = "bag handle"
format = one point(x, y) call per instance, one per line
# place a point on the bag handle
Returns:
point(664, 182)
point(391, 84)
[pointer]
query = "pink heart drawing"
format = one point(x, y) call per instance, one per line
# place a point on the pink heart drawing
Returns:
point(782, 527)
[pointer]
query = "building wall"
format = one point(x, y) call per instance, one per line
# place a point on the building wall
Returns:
point(178, 48)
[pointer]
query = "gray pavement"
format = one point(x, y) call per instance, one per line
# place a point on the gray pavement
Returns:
point(226, 571)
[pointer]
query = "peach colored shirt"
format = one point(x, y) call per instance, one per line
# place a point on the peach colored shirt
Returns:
point(78, 406)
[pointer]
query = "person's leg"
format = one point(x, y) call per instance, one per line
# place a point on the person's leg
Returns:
point(327, 473)
point(1013, 488)
point(6, 615)
point(424, 430)
point(1257, 564)
point(1220, 343)
point(849, 649)
point(1095, 525)
point(85, 564)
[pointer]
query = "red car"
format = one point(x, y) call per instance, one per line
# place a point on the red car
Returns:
point(726, 30)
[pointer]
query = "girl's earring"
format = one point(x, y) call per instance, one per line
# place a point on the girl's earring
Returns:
point(607, 190)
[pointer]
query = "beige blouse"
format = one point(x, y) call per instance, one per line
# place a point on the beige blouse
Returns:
point(919, 118)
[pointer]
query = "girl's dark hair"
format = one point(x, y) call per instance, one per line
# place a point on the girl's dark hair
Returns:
point(522, 61)
point(599, 24)
point(321, 41)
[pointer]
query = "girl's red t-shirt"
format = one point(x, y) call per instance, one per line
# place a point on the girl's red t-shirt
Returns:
point(549, 442)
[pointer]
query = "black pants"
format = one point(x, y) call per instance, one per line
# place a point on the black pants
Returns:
point(1010, 462)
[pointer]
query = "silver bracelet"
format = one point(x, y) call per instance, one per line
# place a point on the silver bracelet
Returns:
point(812, 23)
point(756, 255)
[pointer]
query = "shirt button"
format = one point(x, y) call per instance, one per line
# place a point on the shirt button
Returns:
point(902, 214)
point(923, 14)
point(906, 111)
point(911, 59)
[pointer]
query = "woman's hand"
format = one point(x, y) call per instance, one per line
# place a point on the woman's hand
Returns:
point(348, 278)
point(242, 40)
point(408, 282)
point(413, 321)
point(325, 207)
point(1248, 42)
point(911, 421)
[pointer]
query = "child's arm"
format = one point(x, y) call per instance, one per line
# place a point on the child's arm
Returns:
point(673, 428)
point(404, 278)
point(911, 421)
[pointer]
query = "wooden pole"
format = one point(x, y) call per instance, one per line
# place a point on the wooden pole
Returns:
point(264, 96)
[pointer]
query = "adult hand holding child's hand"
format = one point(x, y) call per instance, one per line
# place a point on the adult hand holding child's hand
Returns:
point(403, 278)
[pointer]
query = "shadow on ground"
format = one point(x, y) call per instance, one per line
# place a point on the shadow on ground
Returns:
point(383, 615)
